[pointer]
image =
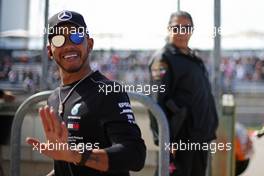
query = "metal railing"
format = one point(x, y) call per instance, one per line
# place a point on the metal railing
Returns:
point(143, 99)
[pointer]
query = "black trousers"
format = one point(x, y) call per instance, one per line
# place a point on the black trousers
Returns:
point(189, 163)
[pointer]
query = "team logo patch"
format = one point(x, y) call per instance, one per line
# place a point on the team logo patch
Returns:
point(65, 15)
point(75, 109)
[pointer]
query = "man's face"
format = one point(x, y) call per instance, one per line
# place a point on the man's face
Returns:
point(70, 57)
point(180, 31)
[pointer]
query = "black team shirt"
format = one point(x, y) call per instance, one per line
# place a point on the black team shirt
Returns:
point(99, 121)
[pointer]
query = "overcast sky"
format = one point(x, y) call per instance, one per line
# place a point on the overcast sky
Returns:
point(142, 23)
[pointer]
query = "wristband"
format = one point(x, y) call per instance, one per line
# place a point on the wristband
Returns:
point(85, 156)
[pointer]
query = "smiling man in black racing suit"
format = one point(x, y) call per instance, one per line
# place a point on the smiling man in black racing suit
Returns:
point(87, 132)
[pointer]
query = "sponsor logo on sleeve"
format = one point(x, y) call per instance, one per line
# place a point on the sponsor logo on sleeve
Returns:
point(125, 108)
point(124, 111)
point(131, 118)
point(124, 105)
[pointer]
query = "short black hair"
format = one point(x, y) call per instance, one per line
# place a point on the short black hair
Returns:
point(181, 14)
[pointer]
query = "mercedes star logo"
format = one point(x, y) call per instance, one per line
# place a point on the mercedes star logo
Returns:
point(65, 15)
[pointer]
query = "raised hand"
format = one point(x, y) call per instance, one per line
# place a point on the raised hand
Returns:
point(56, 145)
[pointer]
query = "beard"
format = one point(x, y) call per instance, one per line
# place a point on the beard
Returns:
point(71, 70)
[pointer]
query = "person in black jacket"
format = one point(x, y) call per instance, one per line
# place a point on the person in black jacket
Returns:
point(88, 132)
point(187, 101)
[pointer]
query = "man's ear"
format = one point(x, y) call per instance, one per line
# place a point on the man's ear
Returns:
point(50, 55)
point(90, 42)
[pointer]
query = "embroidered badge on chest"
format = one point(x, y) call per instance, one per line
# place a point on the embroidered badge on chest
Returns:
point(74, 123)
point(73, 126)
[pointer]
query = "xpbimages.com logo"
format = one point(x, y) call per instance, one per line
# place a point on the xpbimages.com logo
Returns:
point(182, 29)
point(139, 88)
point(212, 147)
point(58, 146)
point(66, 30)
point(189, 29)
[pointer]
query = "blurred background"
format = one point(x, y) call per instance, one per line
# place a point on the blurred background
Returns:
point(126, 34)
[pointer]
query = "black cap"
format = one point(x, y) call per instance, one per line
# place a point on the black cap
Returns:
point(66, 16)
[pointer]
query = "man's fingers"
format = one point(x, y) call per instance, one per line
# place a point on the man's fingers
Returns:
point(55, 121)
point(49, 118)
point(44, 120)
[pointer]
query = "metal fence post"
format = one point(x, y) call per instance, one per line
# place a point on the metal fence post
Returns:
point(15, 140)
point(164, 157)
point(228, 111)
point(224, 161)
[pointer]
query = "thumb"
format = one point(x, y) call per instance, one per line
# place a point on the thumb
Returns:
point(35, 143)
point(32, 141)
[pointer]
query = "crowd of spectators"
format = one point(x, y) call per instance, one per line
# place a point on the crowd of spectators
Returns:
point(131, 67)
point(19, 74)
point(241, 69)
